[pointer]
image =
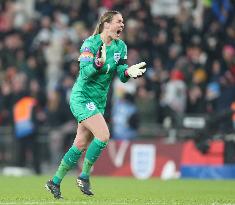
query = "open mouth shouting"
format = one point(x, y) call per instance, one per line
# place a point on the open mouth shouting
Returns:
point(119, 31)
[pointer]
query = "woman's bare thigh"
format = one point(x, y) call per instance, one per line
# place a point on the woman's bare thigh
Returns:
point(98, 126)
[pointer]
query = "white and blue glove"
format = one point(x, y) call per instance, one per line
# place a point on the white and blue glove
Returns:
point(136, 70)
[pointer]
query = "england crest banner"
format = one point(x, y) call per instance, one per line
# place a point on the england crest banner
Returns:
point(143, 160)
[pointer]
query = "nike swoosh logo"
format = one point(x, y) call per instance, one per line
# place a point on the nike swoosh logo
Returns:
point(71, 160)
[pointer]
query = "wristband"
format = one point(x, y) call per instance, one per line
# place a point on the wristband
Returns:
point(126, 73)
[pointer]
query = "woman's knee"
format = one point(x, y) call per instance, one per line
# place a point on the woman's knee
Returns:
point(97, 125)
point(103, 135)
point(83, 138)
point(80, 144)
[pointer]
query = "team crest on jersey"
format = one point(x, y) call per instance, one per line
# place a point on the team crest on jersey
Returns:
point(90, 106)
point(116, 57)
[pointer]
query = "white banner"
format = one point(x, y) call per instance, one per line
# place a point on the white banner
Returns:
point(143, 158)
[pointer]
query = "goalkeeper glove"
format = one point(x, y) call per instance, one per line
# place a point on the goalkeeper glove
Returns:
point(136, 70)
point(100, 57)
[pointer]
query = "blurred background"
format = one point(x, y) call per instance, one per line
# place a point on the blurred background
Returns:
point(177, 120)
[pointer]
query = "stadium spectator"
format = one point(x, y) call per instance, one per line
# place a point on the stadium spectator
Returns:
point(24, 113)
point(125, 118)
point(61, 124)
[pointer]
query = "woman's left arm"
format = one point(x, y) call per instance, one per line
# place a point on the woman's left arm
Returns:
point(122, 66)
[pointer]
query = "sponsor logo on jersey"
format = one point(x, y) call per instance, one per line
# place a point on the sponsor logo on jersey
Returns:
point(90, 106)
point(116, 57)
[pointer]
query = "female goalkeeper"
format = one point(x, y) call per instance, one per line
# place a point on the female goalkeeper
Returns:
point(101, 55)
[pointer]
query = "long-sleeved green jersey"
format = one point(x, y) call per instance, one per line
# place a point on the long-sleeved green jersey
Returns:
point(89, 93)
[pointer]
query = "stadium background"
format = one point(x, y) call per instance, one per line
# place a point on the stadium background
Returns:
point(189, 47)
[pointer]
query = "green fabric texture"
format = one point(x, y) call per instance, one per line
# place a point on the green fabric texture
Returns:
point(56, 180)
point(94, 150)
point(92, 85)
point(68, 162)
point(92, 154)
point(86, 169)
point(72, 156)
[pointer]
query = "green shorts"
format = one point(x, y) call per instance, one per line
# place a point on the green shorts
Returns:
point(83, 107)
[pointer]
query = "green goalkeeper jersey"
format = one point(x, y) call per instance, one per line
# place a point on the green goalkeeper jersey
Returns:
point(90, 90)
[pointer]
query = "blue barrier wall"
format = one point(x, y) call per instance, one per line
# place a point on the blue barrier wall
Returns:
point(208, 172)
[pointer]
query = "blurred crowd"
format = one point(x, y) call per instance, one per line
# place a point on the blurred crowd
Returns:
point(189, 47)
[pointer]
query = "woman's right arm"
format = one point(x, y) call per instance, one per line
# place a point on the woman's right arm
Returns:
point(86, 59)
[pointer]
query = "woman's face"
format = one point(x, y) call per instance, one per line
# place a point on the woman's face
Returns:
point(116, 26)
